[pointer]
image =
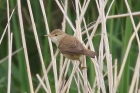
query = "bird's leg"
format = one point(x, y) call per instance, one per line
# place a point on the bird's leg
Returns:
point(80, 65)
point(82, 68)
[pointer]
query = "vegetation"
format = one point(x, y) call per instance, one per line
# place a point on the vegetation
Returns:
point(30, 63)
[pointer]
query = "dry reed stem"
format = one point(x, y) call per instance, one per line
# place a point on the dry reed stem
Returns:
point(77, 72)
point(79, 35)
point(123, 15)
point(24, 46)
point(5, 58)
point(66, 71)
point(61, 76)
point(109, 8)
point(81, 83)
point(135, 75)
point(107, 72)
point(68, 83)
point(101, 55)
point(63, 81)
point(8, 15)
point(37, 43)
point(99, 77)
point(63, 29)
point(43, 85)
point(10, 39)
point(84, 8)
point(115, 74)
point(7, 25)
point(133, 24)
point(9, 62)
point(95, 26)
point(101, 13)
point(137, 85)
point(51, 48)
point(47, 71)
point(78, 79)
point(107, 51)
point(89, 28)
point(90, 43)
point(77, 83)
point(125, 56)
point(97, 5)
point(93, 31)
point(83, 79)
point(65, 15)
point(55, 72)
point(61, 63)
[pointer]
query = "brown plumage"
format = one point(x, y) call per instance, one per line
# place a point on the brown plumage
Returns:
point(73, 47)
point(69, 46)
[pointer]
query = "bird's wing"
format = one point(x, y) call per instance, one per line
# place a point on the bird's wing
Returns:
point(70, 46)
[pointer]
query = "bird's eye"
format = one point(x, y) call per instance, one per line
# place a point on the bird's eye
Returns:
point(55, 34)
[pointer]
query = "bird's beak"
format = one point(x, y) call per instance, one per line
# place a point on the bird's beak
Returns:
point(48, 35)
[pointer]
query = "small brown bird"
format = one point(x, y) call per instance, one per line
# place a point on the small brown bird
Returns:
point(69, 46)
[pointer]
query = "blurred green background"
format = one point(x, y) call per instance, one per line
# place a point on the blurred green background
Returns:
point(119, 32)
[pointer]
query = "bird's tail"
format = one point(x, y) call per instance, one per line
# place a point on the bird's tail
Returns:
point(90, 53)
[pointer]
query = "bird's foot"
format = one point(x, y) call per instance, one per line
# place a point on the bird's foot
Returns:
point(82, 68)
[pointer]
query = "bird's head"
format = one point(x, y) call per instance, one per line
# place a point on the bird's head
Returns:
point(56, 35)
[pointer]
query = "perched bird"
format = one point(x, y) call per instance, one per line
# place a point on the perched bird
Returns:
point(69, 46)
